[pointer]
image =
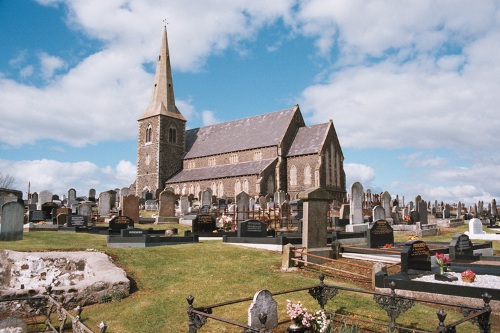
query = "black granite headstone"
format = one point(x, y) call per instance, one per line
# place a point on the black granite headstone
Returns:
point(379, 234)
point(204, 223)
point(118, 223)
point(461, 248)
point(36, 216)
point(252, 228)
point(48, 207)
point(133, 232)
point(415, 255)
point(414, 216)
point(77, 221)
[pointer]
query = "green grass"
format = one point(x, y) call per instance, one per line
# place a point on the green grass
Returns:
point(212, 272)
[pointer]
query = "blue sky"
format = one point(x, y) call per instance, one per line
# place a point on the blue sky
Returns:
point(412, 87)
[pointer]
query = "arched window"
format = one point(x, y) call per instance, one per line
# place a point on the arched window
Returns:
point(197, 190)
point(191, 189)
point(293, 175)
point(221, 189)
point(214, 188)
point(237, 187)
point(177, 189)
point(307, 175)
point(245, 185)
point(172, 135)
point(149, 131)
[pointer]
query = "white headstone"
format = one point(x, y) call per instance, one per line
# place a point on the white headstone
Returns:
point(386, 203)
point(475, 227)
point(378, 213)
point(356, 204)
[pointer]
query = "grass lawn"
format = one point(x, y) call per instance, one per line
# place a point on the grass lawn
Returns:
point(212, 272)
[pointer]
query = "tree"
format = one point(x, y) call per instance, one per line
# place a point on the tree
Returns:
point(6, 181)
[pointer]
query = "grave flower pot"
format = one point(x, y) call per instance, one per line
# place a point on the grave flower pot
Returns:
point(468, 276)
point(297, 328)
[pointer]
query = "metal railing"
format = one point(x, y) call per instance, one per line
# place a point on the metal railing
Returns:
point(391, 303)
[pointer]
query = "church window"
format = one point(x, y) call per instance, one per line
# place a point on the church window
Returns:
point(293, 175)
point(211, 161)
point(214, 188)
point(172, 135)
point(191, 189)
point(245, 185)
point(197, 190)
point(237, 187)
point(233, 158)
point(257, 156)
point(148, 159)
point(191, 164)
point(177, 189)
point(307, 175)
point(149, 131)
point(221, 189)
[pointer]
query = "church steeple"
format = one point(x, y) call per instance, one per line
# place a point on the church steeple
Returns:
point(162, 99)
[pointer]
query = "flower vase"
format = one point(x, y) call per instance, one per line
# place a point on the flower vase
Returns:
point(441, 270)
point(297, 328)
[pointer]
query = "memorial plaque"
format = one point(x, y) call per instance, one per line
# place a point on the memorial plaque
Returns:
point(77, 221)
point(379, 234)
point(36, 216)
point(461, 248)
point(204, 223)
point(415, 255)
point(252, 228)
point(118, 223)
point(133, 232)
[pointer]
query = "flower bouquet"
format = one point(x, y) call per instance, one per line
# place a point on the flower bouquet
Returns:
point(468, 276)
point(303, 320)
point(442, 262)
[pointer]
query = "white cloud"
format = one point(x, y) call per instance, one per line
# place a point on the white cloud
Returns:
point(26, 71)
point(50, 64)
point(358, 173)
point(59, 177)
point(209, 118)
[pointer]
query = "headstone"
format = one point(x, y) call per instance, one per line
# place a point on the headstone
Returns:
point(242, 201)
point(43, 197)
point(77, 221)
point(34, 198)
point(71, 194)
point(386, 203)
point(184, 204)
point(36, 216)
point(104, 203)
point(422, 212)
point(493, 210)
point(204, 223)
point(415, 255)
point(166, 204)
point(297, 209)
point(315, 220)
point(150, 205)
point(252, 228)
point(345, 211)
point(206, 198)
point(84, 209)
point(379, 234)
point(118, 223)
point(461, 248)
point(378, 213)
point(61, 218)
point(414, 216)
point(356, 204)
point(279, 197)
point(92, 195)
point(130, 207)
point(11, 226)
point(263, 303)
point(446, 213)
point(459, 209)
point(475, 227)
point(50, 208)
point(251, 204)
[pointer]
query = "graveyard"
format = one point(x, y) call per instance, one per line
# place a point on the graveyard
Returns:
point(223, 250)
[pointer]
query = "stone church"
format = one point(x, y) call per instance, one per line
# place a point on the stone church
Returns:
point(259, 155)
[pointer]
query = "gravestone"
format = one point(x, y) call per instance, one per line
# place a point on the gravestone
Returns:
point(414, 216)
point(206, 198)
point(77, 221)
point(315, 220)
point(422, 211)
point(251, 204)
point(150, 205)
point(71, 194)
point(378, 213)
point(379, 234)
point(92, 195)
point(36, 216)
point(356, 205)
point(118, 223)
point(475, 227)
point(345, 211)
point(184, 204)
point(43, 197)
point(242, 201)
point(61, 218)
point(263, 303)
point(252, 228)
point(130, 207)
point(166, 207)
point(204, 223)
point(386, 204)
point(104, 203)
point(446, 213)
point(222, 204)
point(461, 248)
point(50, 208)
point(280, 197)
point(415, 255)
point(297, 208)
point(11, 226)
point(34, 198)
point(84, 209)
point(459, 209)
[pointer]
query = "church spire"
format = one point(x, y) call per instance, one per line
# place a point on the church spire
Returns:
point(162, 98)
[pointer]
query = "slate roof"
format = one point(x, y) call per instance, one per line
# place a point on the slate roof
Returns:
point(242, 134)
point(221, 171)
point(308, 140)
